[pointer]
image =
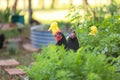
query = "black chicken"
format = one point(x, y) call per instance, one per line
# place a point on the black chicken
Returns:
point(73, 41)
point(2, 38)
point(60, 39)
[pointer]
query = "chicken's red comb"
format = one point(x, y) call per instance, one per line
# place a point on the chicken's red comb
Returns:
point(58, 31)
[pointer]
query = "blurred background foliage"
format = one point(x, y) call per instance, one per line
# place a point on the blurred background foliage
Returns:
point(106, 19)
point(46, 11)
point(77, 14)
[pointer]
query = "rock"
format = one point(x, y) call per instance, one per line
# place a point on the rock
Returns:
point(29, 47)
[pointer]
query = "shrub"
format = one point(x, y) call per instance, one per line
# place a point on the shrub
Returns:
point(5, 15)
point(107, 38)
point(13, 48)
point(55, 63)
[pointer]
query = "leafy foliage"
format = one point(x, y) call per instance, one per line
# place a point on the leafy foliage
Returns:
point(107, 40)
point(5, 15)
point(113, 8)
point(55, 63)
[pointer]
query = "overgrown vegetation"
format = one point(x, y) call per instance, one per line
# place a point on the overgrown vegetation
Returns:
point(107, 38)
point(97, 58)
point(5, 15)
point(59, 64)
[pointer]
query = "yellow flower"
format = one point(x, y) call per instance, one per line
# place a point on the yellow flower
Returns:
point(92, 33)
point(94, 30)
point(54, 28)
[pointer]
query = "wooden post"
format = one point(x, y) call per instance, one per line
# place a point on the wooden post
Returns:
point(52, 4)
point(7, 3)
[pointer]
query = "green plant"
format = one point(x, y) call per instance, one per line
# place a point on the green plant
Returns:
point(113, 8)
point(13, 48)
point(59, 64)
point(117, 63)
point(107, 40)
point(17, 12)
point(11, 33)
point(5, 15)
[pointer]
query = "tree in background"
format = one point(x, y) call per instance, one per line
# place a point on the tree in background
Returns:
point(14, 7)
point(88, 8)
point(43, 6)
point(71, 2)
point(30, 10)
point(7, 3)
point(52, 4)
point(31, 20)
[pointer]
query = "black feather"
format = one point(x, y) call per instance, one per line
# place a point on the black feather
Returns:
point(73, 44)
point(62, 41)
point(2, 38)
